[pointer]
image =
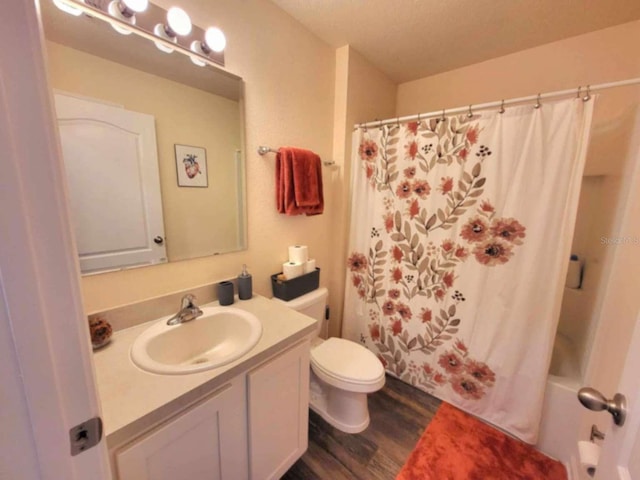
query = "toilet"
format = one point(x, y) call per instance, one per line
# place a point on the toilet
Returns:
point(342, 372)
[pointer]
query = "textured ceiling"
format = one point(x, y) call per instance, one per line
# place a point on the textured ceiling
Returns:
point(410, 39)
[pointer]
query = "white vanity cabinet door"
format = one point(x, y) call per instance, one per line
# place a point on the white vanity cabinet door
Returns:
point(208, 442)
point(278, 398)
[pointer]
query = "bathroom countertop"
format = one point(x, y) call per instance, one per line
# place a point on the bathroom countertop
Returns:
point(134, 400)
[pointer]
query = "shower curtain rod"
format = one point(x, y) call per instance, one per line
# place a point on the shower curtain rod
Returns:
point(502, 103)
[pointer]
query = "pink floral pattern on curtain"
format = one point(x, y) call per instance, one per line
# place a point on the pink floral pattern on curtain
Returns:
point(404, 164)
point(459, 240)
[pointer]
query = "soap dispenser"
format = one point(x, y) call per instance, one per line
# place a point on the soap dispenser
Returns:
point(244, 284)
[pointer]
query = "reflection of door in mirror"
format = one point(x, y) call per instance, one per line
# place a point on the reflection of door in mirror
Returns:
point(197, 221)
point(114, 188)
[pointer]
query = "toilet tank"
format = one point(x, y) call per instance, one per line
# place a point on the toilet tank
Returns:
point(312, 304)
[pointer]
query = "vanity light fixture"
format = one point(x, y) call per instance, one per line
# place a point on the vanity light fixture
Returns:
point(68, 8)
point(126, 10)
point(214, 41)
point(141, 17)
point(195, 60)
point(178, 23)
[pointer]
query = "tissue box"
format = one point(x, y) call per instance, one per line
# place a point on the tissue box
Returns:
point(289, 289)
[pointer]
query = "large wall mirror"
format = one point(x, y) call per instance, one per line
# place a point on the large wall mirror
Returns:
point(153, 146)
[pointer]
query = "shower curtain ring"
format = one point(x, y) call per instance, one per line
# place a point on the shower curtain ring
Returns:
point(502, 110)
point(398, 122)
point(538, 104)
point(470, 114)
point(419, 119)
point(364, 127)
point(587, 97)
point(380, 124)
point(579, 89)
point(443, 115)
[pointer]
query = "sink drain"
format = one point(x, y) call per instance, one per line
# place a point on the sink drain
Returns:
point(198, 361)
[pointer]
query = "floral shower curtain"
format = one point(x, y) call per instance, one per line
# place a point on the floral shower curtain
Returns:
point(459, 243)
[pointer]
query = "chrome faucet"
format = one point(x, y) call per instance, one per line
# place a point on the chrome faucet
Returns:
point(188, 311)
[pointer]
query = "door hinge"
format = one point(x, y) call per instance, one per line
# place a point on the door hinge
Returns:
point(85, 435)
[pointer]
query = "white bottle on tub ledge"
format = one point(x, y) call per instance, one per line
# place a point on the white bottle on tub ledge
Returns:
point(574, 273)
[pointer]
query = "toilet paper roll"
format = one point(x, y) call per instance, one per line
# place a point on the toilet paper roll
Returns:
point(589, 454)
point(574, 274)
point(298, 253)
point(310, 265)
point(292, 269)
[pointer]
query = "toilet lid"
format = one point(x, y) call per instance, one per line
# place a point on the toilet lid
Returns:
point(347, 360)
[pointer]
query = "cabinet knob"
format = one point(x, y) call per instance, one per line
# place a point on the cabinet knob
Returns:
point(159, 240)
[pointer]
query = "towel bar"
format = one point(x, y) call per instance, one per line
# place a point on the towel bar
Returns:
point(262, 150)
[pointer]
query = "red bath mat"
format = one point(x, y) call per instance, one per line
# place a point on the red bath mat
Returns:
point(456, 446)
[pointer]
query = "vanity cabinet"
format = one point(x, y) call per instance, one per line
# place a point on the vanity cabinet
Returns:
point(254, 426)
point(278, 407)
point(208, 441)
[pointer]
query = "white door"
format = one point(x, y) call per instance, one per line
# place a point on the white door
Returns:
point(46, 350)
point(620, 458)
point(111, 162)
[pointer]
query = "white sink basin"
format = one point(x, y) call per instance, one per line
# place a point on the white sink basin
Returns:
point(220, 336)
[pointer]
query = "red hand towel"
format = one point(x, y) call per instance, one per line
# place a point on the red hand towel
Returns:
point(307, 178)
point(285, 198)
point(298, 182)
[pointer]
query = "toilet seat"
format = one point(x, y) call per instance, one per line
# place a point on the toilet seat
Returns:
point(347, 365)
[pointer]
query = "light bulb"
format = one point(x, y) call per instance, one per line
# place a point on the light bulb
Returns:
point(136, 6)
point(160, 31)
point(215, 39)
point(201, 49)
point(67, 8)
point(178, 21)
point(116, 11)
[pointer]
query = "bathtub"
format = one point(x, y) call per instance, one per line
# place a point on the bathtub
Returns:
point(560, 422)
point(564, 361)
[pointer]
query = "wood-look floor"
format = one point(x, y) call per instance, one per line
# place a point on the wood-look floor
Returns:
point(399, 414)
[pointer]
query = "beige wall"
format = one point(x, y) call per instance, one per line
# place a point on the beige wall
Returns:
point(183, 115)
point(601, 56)
point(289, 83)
point(362, 93)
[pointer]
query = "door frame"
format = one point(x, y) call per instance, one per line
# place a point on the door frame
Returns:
point(615, 350)
point(39, 274)
point(619, 442)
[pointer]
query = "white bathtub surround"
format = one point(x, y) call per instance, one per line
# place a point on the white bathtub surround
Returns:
point(560, 422)
point(562, 414)
point(564, 360)
point(458, 252)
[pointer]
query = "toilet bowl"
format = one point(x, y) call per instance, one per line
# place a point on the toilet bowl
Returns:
point(342, 372)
